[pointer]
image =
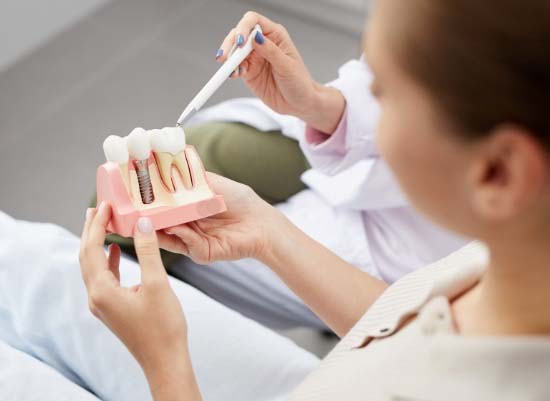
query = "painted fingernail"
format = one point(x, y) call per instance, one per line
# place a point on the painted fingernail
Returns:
point(219, 53)
point(240, 40)
point(259, 38)
point(145, 226)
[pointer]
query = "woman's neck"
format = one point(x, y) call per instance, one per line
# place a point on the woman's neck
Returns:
point(513, 296)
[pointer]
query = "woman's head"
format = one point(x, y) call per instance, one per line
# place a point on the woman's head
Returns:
point(464, 88)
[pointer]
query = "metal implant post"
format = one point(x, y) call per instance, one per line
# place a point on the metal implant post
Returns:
point(144, 181)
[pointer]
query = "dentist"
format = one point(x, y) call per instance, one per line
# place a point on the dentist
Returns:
point(352, 205)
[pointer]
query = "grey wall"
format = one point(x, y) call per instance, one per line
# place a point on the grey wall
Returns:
point(26, 24)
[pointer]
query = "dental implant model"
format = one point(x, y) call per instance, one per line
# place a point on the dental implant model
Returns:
point(140, 149)
point(154, 174)
point(168, 145)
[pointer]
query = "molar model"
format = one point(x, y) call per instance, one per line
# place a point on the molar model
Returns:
point(167, 184)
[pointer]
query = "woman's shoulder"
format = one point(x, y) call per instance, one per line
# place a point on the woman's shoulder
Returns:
point(447, 277)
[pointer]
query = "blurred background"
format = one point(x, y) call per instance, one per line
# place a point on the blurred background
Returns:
point(73, 72)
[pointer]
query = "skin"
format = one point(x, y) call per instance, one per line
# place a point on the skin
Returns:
point(496, 189)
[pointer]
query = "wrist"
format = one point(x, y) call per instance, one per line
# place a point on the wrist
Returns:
point(271, 230)
point(172, 378)
point(158, 359)
point(325, 110)
point(279, 232)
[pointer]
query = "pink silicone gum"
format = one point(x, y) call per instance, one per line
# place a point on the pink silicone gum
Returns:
point(111, 189)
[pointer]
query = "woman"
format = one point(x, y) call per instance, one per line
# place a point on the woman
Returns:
point(464, 96)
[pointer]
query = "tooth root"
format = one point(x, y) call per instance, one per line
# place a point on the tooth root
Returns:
point(164, 163)
point(183, 168)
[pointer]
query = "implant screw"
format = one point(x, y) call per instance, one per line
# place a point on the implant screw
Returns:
point(144, 181)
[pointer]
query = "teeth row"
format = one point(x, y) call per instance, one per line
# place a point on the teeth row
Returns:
point(167, 145)
point(140, 143)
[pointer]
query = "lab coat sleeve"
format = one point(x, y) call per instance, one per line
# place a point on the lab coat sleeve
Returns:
point(354, 139)
point(347, 168)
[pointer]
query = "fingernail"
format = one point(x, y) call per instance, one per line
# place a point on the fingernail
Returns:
point(219, 53)
point(259, 38)
point(145, 226)
point(240, 40)
point(101, 207)
point(89, 212)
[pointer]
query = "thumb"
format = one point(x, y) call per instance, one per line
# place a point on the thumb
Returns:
point(148, 252)
point(267, 49)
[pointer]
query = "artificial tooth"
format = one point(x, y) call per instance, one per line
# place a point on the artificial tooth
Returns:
point(168, 140)
point(139, 145)
point(116, 149)
point(168, 147)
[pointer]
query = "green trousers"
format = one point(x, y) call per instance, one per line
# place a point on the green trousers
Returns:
point(270, 163)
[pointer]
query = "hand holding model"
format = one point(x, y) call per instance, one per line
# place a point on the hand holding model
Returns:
point(161, 349)
point(245, 230)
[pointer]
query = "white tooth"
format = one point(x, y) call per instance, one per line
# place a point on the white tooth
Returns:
point(160, 142)
point(177, 136)
point(139, 144)
point(115, 149)
point(168, 145)
point(168, 140)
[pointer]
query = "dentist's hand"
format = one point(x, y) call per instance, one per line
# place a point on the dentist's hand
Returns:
point(276, 73)
point(244, 230)
point(148, 317)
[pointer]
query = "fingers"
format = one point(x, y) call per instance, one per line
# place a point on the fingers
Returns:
point(226, 46)
point(272, 53)
point(185, 234)
point(114, 260)
point(92, 256)
point(90, 213)
point(172, 243)
point(249, 21)
point(239, 35)
point(98, 226)
point(148, 252)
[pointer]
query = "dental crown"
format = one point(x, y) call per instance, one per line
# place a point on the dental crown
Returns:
point(116, 149)
point(139, 145)
point(169, 140)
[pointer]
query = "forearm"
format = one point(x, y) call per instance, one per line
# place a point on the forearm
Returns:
point(172, 379)
point(336, 291)
point(325, 109)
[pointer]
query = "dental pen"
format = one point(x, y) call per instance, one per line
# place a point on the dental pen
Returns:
point(236, 57)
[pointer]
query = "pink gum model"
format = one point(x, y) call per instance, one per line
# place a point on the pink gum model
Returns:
point(112, 188)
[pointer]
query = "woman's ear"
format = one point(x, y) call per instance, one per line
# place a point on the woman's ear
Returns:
point(510, 171)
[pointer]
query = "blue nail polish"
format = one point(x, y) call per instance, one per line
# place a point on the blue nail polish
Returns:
point(240, 40)
point(259, 38)
point(219, 53)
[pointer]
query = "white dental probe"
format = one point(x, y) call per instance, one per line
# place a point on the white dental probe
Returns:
point(235, 58)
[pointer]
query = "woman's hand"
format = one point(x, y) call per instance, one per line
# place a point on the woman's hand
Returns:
point(276, 73)
point(148, 317)
point(244, 230)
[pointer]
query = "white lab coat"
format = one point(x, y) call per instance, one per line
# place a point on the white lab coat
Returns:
point(397, 238)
